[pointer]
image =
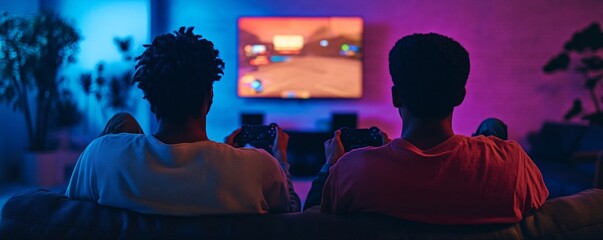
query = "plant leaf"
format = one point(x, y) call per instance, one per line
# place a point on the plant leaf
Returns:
point(559, 62)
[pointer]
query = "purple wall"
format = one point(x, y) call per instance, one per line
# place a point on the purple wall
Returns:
point(508, 41)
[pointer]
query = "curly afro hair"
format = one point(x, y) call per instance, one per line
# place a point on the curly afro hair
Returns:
point(430, 72)
point(176, 74)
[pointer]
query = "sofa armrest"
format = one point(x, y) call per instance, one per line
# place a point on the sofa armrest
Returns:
point(578, 216)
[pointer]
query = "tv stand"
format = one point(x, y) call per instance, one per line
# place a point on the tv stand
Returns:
point(306, 153)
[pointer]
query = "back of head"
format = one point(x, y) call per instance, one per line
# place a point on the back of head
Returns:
point(429, 72)
point(176, 73)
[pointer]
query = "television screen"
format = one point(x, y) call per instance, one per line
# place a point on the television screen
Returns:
point(300, 57)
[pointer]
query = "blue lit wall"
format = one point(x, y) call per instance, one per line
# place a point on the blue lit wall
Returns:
point(99, 22)
point(13, 138)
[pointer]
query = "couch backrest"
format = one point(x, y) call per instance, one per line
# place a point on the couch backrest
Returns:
point(39, 214)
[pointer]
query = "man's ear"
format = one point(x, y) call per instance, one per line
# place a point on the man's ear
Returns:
point(396, 98)
point(461, 97)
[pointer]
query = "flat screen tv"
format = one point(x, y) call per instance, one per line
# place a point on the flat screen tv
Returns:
point(300, 57)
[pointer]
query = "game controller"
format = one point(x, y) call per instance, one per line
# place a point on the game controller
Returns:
point(359, 138)
point(259, 136)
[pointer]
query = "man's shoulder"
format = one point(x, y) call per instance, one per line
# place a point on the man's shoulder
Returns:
point(367, 151)
point(113, 141)
point(118, 139)
point(112, 145)
point(492, 141)
point(360, 155)
point(242, 154)
point(506, 150)
point(239, 151)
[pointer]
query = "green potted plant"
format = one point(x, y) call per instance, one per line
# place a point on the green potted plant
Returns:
point(33, 50)
point(582, 55)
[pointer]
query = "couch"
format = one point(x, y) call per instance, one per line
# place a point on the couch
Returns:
point(41, 214)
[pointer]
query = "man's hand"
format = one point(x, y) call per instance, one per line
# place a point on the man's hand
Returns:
point(279, 148)
point(334, 148)
point(230, 138)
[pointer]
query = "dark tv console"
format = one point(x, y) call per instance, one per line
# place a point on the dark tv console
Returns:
point(306, 152)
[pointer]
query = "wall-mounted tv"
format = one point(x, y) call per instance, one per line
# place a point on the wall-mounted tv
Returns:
point(300, 57)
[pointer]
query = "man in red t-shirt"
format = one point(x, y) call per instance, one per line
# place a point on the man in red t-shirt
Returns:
point(430, 174)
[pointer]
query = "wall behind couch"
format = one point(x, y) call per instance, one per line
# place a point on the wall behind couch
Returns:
point(508, 42)
point(98, 22)
point(13, 138)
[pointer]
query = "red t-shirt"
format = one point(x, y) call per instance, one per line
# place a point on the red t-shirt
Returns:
point(463, 180)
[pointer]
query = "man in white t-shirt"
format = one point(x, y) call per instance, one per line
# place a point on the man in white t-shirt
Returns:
point(177, 170)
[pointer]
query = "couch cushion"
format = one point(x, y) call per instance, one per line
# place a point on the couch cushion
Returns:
point(36, 214)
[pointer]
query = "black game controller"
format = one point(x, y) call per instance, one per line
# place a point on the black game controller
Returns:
point(258, 136)
point(358, 138)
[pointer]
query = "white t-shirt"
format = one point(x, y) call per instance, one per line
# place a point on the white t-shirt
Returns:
point(140, 173)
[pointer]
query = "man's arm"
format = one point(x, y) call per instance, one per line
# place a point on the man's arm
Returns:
point(333, 151)
point(324, 186)
point(277, 187)
point(529, 182)
point(536, 190)
point(279, 150)
point(82, 184)
point(294, 200)
point(315, 193)
point(273, 176)
point(328, 202)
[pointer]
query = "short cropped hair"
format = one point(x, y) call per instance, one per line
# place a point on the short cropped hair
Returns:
point(429, 72)
point(176, 73)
